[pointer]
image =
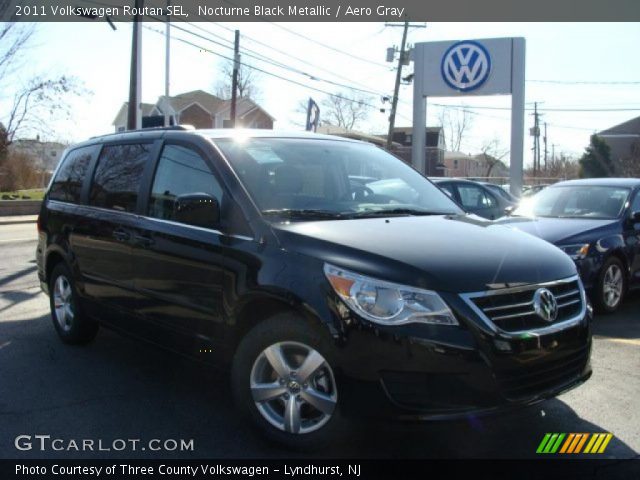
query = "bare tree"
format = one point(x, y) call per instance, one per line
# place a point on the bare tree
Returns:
point(37, 104)
point(248, 80)
point(13, 40)
point(345, 110)
point(493, 153)
point(560, 167)
point(456, 122)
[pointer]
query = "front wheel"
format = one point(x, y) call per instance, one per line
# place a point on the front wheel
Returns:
point(284, 380)
point(611, 286)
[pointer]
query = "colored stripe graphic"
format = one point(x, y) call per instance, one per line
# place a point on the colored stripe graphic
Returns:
point(594, 437)
point(573, 443)
point(567, 443)
point(543, 443)
point(605, 443)
point(581, 443)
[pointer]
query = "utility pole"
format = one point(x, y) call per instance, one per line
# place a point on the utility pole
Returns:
point(167, 55)
point(234, 81)
point(545, 146)
point(535, 133)
point(134, 116)
point(402, 59)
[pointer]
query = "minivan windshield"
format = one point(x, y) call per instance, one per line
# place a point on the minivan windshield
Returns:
point(575, 201)
point(302, 178)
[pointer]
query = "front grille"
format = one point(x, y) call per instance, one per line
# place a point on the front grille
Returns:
point(546, 375)
point(512, 310)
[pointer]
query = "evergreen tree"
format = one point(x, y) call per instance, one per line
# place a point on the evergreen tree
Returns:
point(596, 160)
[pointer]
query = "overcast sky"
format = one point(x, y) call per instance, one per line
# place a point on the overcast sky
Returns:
point(351, 54)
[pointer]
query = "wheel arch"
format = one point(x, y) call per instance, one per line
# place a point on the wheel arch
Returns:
point(259, 307)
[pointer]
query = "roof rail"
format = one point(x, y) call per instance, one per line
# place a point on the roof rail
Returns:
point(172, 127)
point(150, 129)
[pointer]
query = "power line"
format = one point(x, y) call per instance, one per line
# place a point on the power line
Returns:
point(266, 72)
point(586, 82)
point(551, 109)
point(270, 61)
point(301, 60)
point(329, 47)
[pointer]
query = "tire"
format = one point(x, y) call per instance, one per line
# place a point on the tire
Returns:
point(72, 325)
point(291, 338)
point(611, 286)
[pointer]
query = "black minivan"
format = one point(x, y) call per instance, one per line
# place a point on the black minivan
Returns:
point(265, 253)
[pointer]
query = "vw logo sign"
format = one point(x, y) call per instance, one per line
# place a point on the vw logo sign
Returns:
point(466, 66)
point(545, 305)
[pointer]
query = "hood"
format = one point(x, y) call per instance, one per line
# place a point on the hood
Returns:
point(453, 254)
point(560, 231)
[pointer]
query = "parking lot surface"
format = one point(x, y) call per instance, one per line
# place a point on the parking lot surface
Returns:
point(118, 388)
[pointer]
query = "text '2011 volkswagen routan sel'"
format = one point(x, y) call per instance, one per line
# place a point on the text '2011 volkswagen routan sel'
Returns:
point(324, 298)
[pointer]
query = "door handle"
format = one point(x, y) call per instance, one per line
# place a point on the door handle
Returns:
point(143, 240)
point(121, 235)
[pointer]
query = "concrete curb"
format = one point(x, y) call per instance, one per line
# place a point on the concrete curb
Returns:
point(17, 219)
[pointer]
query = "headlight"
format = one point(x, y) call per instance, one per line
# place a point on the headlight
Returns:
point(388, 303)
point(577, 252)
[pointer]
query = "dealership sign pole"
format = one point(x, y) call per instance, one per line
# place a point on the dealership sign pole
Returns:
point(493, 66)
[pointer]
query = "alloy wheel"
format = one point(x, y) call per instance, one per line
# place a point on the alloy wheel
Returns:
point(612, 286)
point(293, 387)
point(62, 303)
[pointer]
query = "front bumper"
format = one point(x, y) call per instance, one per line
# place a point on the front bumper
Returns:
point(425, 372)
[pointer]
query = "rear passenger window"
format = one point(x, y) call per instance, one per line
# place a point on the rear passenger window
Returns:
point(180, 171)
point(67, 186)
point(117, 178)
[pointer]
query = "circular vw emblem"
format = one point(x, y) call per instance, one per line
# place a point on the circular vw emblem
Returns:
point(466, 66)
point(545, 305)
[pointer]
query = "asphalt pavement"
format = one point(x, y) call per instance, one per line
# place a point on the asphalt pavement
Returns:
point(118, 388)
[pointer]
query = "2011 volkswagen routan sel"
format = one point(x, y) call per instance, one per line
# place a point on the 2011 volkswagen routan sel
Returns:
point(267, 252)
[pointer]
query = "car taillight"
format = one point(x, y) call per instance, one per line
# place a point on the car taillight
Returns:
point(39, 224)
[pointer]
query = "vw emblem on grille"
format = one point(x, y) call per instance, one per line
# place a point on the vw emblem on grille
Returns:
point(545, 305)
point(466, 66)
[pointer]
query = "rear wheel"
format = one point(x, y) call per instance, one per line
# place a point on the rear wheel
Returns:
point(72, 325)
point(611, 286)
point(284, 380)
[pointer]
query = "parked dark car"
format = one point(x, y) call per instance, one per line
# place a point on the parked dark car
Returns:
point(595, 221)
point(475, 197)
point(501, 192)
point(255, 250)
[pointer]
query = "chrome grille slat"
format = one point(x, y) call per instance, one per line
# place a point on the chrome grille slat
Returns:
point(510, 309)
point(505, 307)
point(571, 302)
point(513, 315)
point(568, 294)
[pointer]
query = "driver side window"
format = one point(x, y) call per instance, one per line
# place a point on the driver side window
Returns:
point(180, 171)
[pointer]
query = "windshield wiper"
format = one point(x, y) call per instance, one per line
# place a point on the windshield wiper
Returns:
point(302, 213)
point(395, 211)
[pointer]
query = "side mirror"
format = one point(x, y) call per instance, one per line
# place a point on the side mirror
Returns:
point(509, 210)
point(635, 217)
point(199, 209)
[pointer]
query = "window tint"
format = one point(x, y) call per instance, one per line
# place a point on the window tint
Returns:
point(475, 197)
point(180, 171)
point(117, 178)
point(67, 185)
point(447, 187)
point(635, 206)
point(576, 201)
point(335, 176)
